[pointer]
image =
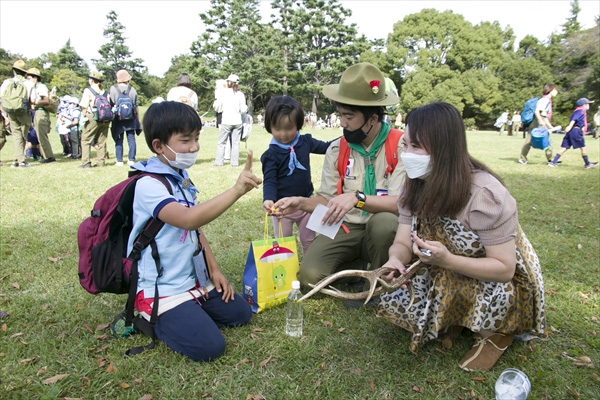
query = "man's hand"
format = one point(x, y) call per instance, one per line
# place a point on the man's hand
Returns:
point(338, 207)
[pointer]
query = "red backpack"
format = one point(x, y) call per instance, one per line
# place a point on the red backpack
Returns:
point(104, 265)
point(391, 155)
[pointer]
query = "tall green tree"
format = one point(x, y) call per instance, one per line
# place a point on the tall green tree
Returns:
point(442, 57)
point(115, 54)
point(234, 41)
point(319, 44)
point(67, 58)
point(572, 25)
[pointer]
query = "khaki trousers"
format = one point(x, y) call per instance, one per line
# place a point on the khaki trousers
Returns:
point(41, 124)
point(19, 128)
point(98, 131)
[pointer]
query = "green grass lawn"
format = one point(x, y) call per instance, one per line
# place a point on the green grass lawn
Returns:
point(57, 330)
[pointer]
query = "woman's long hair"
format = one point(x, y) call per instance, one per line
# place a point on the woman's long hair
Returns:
point(439, 129)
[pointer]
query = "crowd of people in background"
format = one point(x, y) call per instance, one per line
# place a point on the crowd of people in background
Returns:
point(80, 131)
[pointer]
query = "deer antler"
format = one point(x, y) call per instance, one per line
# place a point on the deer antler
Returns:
point(374, 277)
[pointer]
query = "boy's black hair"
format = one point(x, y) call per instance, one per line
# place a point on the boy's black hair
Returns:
point(366, 111)
point(164, 119)
point(283, 107)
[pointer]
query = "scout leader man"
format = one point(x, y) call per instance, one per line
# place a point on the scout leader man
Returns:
point(364, 196)
point(19, 120)
point(41, 118)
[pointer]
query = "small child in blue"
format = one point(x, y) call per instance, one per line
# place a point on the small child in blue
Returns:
point(574, 137)
point(195, 297)
point(286, 164)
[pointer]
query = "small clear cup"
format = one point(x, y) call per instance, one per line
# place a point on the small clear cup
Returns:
point(512, 385)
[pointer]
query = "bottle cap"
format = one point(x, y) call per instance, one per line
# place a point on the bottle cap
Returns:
point(296, 285)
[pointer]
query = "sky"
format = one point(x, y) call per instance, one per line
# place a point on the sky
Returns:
point(156, 31)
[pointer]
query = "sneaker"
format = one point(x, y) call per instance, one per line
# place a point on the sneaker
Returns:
point(24, 164)
point(86, 165)
point(551, 164)
point(118, 327)
point(14, 164)
point(130, 162)
point(48, 160)
point(591, 165)
point(521, 161)
point(119, 164)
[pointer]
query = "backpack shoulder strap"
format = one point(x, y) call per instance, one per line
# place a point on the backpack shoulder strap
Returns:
point(127, 90)
point(391, 150)
point(144, 239)
point(343, 157)
point(391, 155)
point(93, 91)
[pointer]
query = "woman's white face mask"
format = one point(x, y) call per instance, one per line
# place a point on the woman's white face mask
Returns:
point(416, 165)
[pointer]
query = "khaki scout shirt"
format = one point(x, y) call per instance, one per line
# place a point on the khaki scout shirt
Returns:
point(87, 98)
point(354, 180)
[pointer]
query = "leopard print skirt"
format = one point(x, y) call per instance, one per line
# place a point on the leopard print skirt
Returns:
point(438, 298)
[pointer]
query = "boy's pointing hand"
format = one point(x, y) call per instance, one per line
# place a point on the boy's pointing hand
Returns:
point(247, 180)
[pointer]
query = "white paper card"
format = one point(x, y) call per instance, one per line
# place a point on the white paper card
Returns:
point(314, 222)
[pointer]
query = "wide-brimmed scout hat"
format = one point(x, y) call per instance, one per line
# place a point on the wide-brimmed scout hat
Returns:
point(34, 71)
point(96, 76)
point(20, 65)
point(583, 101)
point(233, 78)
point(123, 76)
point(362, 84)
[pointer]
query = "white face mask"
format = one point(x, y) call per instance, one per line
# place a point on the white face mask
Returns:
point(416, 165)
point(182, 160)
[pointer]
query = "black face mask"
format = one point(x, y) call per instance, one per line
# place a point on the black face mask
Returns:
point(356, 136)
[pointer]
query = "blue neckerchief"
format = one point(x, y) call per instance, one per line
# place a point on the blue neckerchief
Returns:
point(293, 163)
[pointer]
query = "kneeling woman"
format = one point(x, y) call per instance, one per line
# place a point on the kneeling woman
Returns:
point(456, 216)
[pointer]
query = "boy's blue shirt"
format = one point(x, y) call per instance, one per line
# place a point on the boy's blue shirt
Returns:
point(176, 246)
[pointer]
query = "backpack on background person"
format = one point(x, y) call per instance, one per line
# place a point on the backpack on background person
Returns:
point(186, 99)
point(101, 109)
point(528, 112)
point(124, 108)
point(15, 99)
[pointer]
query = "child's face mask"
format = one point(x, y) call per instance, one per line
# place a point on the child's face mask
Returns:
point(182, 160)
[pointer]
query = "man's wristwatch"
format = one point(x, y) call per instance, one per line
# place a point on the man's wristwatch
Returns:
point(362, 198)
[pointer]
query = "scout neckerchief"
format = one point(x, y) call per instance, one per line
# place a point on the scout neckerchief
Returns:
point(370, 179)
point(293, 163)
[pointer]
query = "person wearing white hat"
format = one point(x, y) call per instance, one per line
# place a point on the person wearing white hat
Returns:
point(365, 198)
point(234, 105)
point(578, 126)
point(74, 134)
point(19, 121)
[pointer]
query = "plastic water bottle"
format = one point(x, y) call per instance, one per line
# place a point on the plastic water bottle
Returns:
point(512, 385)
point(294, 314)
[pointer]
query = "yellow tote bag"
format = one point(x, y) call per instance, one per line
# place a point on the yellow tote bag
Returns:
point(271, 266)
